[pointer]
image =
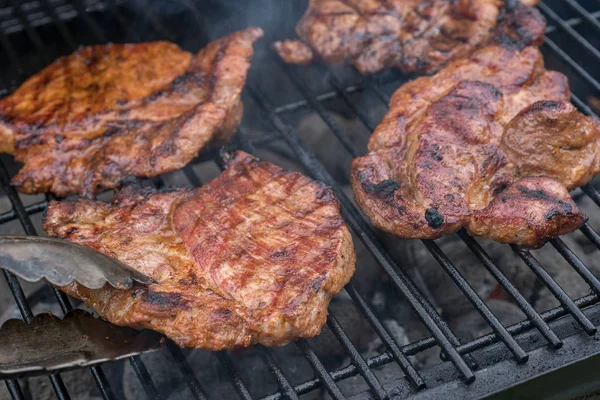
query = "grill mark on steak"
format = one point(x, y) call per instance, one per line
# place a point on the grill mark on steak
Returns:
point(490, 143)
point(252, 257)
point(125, 110)
point(163, 301)
point(412, 35)
point(384, 188)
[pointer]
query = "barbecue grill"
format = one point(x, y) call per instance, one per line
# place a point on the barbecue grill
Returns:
point(550, 352)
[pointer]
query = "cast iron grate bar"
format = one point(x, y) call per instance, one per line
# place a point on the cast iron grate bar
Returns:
point(90, 22)
point(13, 59)
point(234, 375)
point(142, 372)
point(401, 281)
point(102, 382)
point(59, 387)
point(151, 18)
point(14, 389)
point(481, 307)
point(587, 16)
point(374, 87)
point(60, 25)
point(566, 28)
point(571, 63)
point(583, 14)
point(576, 263)
point(191, 176)
point(194, 385)
point(318, 107)
point(337, 375)
point(112, 8)
point(584, 108)
point(339, 89)
point(593, 193)
point(556, 290)
point(12, 55)
point(572, 22)
point(30, 209)
point(321, 98)
point(591, 234)
point(20, 299)
point(523, 304)
point(13, 283)
point(385, 336)
point(320, 370)
point(520, 327)
point(286, 388)
point(31, 33)
point(563, 26)
point(356, 358)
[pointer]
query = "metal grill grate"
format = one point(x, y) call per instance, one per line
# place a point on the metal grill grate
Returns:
point(39, 13)
point(546, 339)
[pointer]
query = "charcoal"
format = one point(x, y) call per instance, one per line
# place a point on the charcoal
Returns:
point(471, 325)
point(450, 300)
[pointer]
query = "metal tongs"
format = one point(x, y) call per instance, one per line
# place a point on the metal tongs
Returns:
point(60, 263)
point(47, 343)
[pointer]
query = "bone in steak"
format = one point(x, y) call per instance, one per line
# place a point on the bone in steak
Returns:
point(252, 257)
point(110, 111)
point(457, 149)
point(412, 35)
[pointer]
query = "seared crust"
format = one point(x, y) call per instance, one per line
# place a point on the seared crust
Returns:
point(451, 143)
point(252, 257)
point(412, 35)
point(107, 112)
point(567, 143)
point(532, 210)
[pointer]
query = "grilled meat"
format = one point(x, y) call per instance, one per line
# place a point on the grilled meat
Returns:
point(252, 257)
point(456, 150)
point(111, 111)
point(412, 35)
point(531, 211)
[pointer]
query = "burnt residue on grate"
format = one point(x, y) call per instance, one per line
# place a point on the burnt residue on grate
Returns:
point(483, 304)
